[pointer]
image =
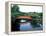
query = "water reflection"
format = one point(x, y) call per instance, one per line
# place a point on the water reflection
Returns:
point(25, 26)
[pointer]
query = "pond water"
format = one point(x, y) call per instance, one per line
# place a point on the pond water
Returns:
point(25, 26)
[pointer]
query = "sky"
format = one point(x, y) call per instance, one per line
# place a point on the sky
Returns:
point(27, 9)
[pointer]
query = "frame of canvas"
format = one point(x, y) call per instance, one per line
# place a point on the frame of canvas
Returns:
point(8, 17)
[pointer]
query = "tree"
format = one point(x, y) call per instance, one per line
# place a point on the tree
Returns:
point(15, 8)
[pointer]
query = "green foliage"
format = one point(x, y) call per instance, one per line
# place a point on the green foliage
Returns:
point(36, 17)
